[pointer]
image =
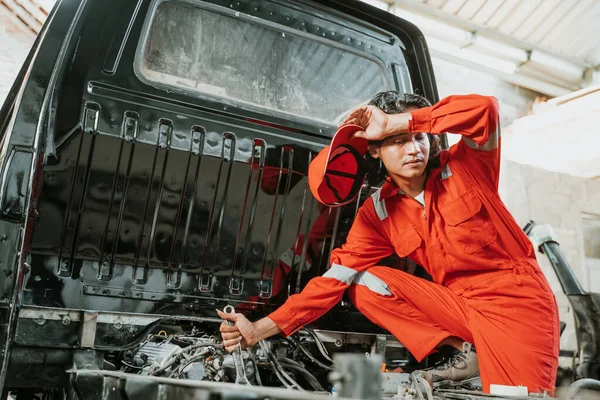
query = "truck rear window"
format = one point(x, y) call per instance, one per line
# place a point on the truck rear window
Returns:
point(217, 52)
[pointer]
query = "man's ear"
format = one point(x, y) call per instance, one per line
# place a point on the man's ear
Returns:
point(374, 150)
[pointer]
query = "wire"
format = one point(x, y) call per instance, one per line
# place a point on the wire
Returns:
point(256, 373)
point(319, 343)
point(310, 378)
point(308, 355)
point(278, 369)
point(132, 366)
point(181, 368)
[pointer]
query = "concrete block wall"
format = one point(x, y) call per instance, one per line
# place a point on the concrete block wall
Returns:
point(15, 42)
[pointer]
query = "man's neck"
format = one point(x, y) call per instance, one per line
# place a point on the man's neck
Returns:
point(411, 186)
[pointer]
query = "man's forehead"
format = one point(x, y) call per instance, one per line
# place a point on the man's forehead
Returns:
point(403, 135)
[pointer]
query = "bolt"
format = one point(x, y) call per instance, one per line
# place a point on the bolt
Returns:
point(66, 320)
point(338, 343)
point(118, 325)
point(40, 320)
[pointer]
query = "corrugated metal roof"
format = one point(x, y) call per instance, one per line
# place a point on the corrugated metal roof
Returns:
point(32, 13)
point(568, 28)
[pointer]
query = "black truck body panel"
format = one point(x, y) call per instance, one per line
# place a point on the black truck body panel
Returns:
point(125, 195)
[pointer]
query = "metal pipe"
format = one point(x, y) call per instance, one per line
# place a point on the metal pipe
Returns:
point(582, 384)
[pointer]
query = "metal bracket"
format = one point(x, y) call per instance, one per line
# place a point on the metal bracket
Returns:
point(87, 336)
point(542, 233)
point(379, 345)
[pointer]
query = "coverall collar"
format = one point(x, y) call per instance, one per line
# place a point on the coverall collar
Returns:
point(389, 188)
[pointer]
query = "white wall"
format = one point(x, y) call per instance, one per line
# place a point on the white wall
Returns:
point(15, 42)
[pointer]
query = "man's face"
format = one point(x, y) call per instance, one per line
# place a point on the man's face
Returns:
point(405, 155)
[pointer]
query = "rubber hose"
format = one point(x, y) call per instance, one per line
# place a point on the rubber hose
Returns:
point(582, 384)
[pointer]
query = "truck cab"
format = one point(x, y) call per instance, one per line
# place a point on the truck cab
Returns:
point(154, 167)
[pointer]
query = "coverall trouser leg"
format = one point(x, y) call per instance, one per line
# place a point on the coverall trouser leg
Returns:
point(510, 315)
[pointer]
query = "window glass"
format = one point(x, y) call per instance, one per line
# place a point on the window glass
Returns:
point(245, 61)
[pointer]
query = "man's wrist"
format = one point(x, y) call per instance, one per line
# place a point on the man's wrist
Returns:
point(263, 328)
point(397, 124)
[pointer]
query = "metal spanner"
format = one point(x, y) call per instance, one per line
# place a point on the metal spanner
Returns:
point(238, 360)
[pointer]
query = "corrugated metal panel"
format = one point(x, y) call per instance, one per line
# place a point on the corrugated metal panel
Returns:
point(568, 28)
point(32, 13)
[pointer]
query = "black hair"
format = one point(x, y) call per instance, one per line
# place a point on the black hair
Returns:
point(394, 102)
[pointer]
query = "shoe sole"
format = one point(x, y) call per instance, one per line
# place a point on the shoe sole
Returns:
point(469, 384)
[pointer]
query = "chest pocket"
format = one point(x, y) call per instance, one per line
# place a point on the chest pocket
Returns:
point(468, 225)
point(407, 241)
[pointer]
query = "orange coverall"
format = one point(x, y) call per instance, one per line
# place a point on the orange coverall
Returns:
point(488, 288)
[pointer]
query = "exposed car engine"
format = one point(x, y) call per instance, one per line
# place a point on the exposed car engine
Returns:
point(180, 356)
point(302, 361)
point(199, 355)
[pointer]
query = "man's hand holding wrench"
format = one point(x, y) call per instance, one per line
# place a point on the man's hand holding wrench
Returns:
point(234, 345)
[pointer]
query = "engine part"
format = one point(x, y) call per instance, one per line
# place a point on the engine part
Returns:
point(581, 385)
point(283, 376)
point(319, 343)
point(357, 376)
point(155, 354)
point(395, 383)
point(229, 364)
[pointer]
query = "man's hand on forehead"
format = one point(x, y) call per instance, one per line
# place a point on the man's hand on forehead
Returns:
point(371, 119)
point(377, 124)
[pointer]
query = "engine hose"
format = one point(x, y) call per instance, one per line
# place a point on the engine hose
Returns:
point(280, 376)
point(192, 360)
point(171, 361)
point(320, 344)
point(308, 355)
point(286, 360)
point(291, 364)
point(582, 384)
point(278, 369)
point(132, 366)
point(310, 378)
point(255, 364)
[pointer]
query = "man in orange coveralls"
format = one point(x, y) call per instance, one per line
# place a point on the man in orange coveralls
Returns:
point(442, 210)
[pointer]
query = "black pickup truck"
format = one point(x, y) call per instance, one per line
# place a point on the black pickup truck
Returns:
point(153, 168)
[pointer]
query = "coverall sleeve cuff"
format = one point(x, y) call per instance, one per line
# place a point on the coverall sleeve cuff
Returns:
point(282, 319)
point(421, 120)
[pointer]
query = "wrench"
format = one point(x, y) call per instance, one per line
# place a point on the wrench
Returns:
point(238, 360)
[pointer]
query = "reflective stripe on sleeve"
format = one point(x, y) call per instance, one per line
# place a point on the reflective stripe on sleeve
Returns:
point(343, 274)
point(373, 283)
